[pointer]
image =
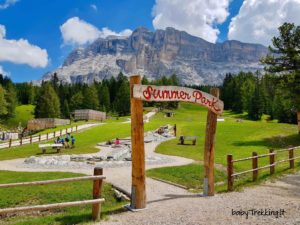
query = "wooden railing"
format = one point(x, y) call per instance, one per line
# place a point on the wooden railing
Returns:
point(41, 137)
point(96, 201)
point(272, 163)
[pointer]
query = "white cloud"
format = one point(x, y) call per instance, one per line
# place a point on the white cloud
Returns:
point(78, 32)
point(21, 51)
point(3, 72)
point(258, 21)
point(94, 7)
point(8, 3)
point(197, 17)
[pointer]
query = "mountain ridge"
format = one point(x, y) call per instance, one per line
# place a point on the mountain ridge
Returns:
point(163, 52)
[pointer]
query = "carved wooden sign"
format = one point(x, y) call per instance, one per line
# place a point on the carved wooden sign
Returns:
point(175, 93)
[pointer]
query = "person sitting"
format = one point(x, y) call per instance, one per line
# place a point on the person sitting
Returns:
point(117, 141)
point(62, 141)
point(57, 140)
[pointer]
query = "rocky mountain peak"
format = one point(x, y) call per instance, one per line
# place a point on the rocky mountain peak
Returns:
point(163, 52)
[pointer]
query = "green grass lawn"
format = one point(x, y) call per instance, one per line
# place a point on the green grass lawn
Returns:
point(23, 114)
point(190, 176)
point(237, 138)
point(54, 193)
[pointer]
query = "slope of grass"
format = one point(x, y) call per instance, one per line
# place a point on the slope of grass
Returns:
point(23, 114)
point(232, 137)
point(54, 193)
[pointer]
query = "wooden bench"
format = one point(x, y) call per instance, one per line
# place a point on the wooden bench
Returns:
point(44, 147)
point(188, 138)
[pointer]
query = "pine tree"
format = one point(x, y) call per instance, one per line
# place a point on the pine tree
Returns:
point(255, 108)
point(122, 101)
point(145, 80)
point(48, 105)
point(11, 99)
point(227, 91)
point(65, 109)
point(90, 99)
point(76, 101)
point(3, 103)
point(284, 60)
point(104, 98)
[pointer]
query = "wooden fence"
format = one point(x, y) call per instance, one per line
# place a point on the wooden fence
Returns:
point(43, 137)
point(95, 202)
point(272, 163)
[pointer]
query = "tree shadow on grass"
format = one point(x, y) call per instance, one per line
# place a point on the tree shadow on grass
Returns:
point(273, 142)
point(86, 217)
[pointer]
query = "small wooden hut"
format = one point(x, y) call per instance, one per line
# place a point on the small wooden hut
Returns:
point(89, 114)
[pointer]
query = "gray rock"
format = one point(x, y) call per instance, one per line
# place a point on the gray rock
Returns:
point(158, 53)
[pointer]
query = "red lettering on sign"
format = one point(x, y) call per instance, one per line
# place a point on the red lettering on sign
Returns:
point(213, 105)
point(147, 93)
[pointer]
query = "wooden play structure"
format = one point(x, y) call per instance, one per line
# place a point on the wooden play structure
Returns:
point(140, 93)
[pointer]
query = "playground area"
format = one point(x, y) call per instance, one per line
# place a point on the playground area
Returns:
point(156, 146)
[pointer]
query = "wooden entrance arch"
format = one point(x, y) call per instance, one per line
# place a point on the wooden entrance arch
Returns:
point(140, 93)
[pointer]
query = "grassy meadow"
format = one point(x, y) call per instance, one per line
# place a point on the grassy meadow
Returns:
point(237, 138)
point(22, 115)
point(53, 193)
point(233, 137)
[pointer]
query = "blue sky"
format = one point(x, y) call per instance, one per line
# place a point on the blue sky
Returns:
point(38, 23)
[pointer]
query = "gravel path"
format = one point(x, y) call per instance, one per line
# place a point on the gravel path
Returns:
point(171, 205)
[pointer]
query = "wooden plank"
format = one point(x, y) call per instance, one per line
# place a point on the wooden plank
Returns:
point(254, 166)
point(45, 182)
point(287, 149)
point(138, 188)
point(252, 157)
point(272, 162)
point(50, 206)
point(175, 93)
point(209, 149)
point(291, 156)
point(298, 117)
point(97, 188)
point(230, 178)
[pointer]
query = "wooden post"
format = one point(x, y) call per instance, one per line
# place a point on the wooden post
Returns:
point(71, 129)
point(60, 132)
point(209, 149)
point(175, 130)
point(47, 136)
point(54, 134)
point(66, 130)
point(21, 141)
point(9, 144)
point(138, 187)
point(97, 187)
point(272, 161)
point(298, 117)
point(76, 127)
point(39, 137)
point(254, 166)
point(291, 156)
point(30, 139)
point(230, 178)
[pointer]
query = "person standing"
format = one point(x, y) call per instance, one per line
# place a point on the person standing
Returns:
point(73, 141)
